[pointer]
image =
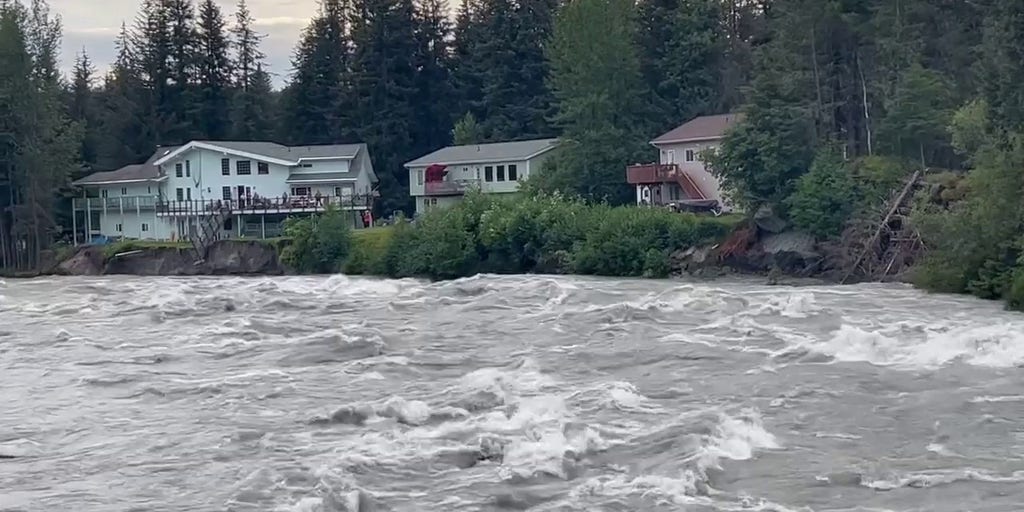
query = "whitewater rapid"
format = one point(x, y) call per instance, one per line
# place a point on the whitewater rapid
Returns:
point(505, 393)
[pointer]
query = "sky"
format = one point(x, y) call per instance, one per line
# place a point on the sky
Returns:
point(94, 24)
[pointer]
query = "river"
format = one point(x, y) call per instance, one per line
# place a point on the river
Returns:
point(505, 393)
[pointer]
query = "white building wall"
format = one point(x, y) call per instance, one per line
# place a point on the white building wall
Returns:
point(129, 189)
point(143, 225)
point(322, 166)
point(478, 173)
point(676, 154)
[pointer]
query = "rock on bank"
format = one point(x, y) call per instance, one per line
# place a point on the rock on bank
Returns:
point(228, 257)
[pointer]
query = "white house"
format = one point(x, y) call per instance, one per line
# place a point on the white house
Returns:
point(681, 177)
point(250, 186)
point(444, 176)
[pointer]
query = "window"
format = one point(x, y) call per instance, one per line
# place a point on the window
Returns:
point(149, 190)
point(188, 194)
point(103, 193)
point(262, 168)
point(670, 156)
point(188, 168)
point(690, 156)
point(225, 193)
point(344, 191)
point(118, 228)
point(177, 170)
point(300, 191)
point(513, 174)
point(433, 201)
point(124, 191)
point(501, 173)
point(179, 193)
point(307, 165)
point(243, 167)
point(225, 166)
point(145, 227)
point(488, 173)
point(419, 177)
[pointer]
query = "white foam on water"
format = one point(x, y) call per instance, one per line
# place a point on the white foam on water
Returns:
point(736, 438)
point(925, 479)
point(790, 305)
point(624, 396)
point(996, 399)
point(994, 346)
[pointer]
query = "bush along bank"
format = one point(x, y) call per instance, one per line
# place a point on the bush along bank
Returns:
point(524, 234)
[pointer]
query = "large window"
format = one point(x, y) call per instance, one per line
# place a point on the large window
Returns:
point(188, 168)
point(513, 173)
point(243, 167)
point(690, 155)
point(177, 170)
point(300, 191)
point(225, 193)
point(179, 193)
point(145, 227)
point(488, 173)
point(225, 166)
point(262, 168)
point(501, 173)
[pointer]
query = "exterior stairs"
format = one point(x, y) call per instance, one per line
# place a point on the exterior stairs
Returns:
point(209, 230)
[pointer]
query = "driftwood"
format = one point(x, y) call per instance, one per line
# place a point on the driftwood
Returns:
point(893, 244)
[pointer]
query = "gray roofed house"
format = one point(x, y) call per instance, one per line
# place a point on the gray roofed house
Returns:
point(700, 128)
point(479, 153)
point(495, 168)
point(134, 173)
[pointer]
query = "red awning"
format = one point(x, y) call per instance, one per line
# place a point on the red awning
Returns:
point(435, 172)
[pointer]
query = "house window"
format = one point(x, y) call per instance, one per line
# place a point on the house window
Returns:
point(690, 156)
point(177, 170)
point(180, 194)
point(145, 227)
point(103, 193)
point(124, 191)
point(488, 173)
point(419, 177)
point(501, 173)
point(243, 167)
point(225, 193)
point(118, 228)
point(344, 191)
point(307, 165)
point(433, 201)
point(670, 156)
point(225, 166)
point(262, 168)
point(188, 168)
point(513, 173)
point(300, 191)
point(188, 194)
point(149, 190)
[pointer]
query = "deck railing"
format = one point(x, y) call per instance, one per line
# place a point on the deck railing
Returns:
point(252, 205)
point(449, 187)
point(128, 203)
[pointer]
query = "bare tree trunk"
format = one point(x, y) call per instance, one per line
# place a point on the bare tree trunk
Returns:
point(867, 113)
point(817, 79)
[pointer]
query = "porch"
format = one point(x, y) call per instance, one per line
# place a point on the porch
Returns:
point(257, 205)
point(668, 185)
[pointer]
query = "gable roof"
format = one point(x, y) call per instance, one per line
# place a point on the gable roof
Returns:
point(134, 173)
point(270, 151)
point(700, 128)
point(482, 153)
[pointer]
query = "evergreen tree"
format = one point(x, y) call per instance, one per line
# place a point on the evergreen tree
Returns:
point(126, 119)
point(253, 106)
point(599, 93)
point(148, 49)
point(180, 107)
point(83, 109)
point(384, 81)
point(214, 73)
point(435, 93)
point(689, 74)
point(467, 131)
point(317, 108)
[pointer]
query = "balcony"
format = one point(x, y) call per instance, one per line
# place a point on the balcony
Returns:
point(652, 174)
point(126, 203)
point(449, 187)
point(264, 205)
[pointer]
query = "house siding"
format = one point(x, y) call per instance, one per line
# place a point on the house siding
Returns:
point(676, 153)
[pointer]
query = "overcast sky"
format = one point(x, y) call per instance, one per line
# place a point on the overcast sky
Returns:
point(93, 25)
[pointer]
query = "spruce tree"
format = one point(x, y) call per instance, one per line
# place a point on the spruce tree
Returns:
point(127, 133)
point(435, 93)
point(214, 67)
point(384, 81)
point(180, 107)
point(83, 108)
point(316, 103)
point(600, 97)
point(253, 106)
point(149, 48)
point(689, 73)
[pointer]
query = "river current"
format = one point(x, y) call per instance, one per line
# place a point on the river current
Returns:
point(505, 393)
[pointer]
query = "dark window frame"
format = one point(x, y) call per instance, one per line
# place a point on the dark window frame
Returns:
point(247, 171)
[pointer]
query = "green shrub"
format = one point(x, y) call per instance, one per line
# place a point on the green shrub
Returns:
point(369, 252)
point(1015, 296)
point(824, 198)
point(319, 244)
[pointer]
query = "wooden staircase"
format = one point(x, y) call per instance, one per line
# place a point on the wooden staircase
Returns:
point(894, 244)
point(209, 230)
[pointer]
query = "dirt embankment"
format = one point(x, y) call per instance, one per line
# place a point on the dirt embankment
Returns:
point(229, 257)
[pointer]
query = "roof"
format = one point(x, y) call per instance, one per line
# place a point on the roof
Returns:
point(271, 151)
point(321, 177)
point(482, 153)
point(700, 128)
point(128, 174)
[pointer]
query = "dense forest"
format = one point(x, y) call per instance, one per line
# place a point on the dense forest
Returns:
point(841, 100)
